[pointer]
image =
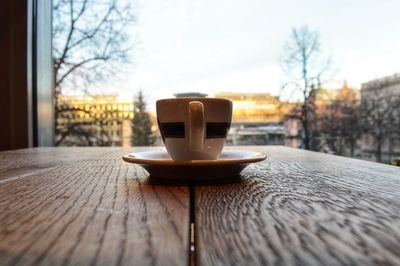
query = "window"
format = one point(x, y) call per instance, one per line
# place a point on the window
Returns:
point(324, 99)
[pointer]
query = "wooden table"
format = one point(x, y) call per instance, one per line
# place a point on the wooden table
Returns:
point(85, 206)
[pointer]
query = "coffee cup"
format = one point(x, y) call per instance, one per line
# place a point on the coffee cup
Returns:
point(194, 128)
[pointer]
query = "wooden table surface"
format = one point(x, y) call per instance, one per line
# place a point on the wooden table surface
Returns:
point(85, 206)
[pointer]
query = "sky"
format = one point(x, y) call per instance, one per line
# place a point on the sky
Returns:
point(230, 45)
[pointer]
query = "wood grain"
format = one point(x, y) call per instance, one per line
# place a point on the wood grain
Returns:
point(85, 206)
point(301, 208)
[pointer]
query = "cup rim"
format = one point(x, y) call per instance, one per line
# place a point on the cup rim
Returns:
point(194, 99)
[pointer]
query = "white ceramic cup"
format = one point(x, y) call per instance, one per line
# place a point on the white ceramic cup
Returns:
point(194, 128)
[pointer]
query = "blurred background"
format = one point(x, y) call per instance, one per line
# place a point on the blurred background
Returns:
point(316, 75)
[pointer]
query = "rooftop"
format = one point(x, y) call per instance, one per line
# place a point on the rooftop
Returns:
point(381, 82)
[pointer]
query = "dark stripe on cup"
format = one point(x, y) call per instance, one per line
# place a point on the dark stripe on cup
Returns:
point(160, 128)
point(172, 130)
point(217, 130)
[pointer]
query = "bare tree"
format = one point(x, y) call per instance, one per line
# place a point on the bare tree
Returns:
point(330, 127)
point(91, 45)
point(305, 70)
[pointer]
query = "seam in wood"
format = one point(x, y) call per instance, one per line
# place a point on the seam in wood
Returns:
point(192, 228)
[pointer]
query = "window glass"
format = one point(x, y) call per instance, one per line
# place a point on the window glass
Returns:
point(318, 75)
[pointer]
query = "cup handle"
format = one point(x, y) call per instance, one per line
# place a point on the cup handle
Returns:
point(196, 126)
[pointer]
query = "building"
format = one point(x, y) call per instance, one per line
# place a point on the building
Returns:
point(292, 131)
point(380, 100)
point(257, 118)
point(99, 119)
point(256, 134)
point(250, 108)
point(383, 87)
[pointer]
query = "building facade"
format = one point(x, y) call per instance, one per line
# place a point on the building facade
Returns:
point(380, 108)
point(256, 107)
point(257, 118)
point(100, 120)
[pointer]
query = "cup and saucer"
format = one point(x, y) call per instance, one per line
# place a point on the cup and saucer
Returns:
point(194, 131)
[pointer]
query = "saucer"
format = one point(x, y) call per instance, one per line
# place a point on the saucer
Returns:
point(160, 165)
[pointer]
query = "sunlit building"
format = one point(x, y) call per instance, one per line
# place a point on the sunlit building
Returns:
point(257, 118)
point(104, 119)
point(250, 108)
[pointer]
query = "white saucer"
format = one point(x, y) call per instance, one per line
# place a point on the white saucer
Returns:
point(229, 164)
